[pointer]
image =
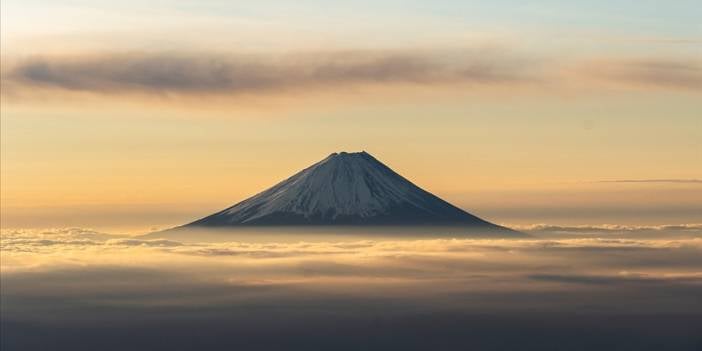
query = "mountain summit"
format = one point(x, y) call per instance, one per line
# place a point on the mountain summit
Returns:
point(353, 189)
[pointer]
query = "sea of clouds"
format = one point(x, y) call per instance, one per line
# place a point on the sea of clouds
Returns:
point(80, 287)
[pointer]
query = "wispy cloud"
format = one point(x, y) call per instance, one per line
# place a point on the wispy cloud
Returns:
point(243, 73)
point(662, 73)
point(661, 180)
point(209, 74)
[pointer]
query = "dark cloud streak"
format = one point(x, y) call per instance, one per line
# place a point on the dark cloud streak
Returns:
point(231, 74)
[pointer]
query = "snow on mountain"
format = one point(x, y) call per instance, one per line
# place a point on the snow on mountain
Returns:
point(343, 189)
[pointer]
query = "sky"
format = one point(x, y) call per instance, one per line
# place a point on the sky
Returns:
point(132, 116)
point(574, 122)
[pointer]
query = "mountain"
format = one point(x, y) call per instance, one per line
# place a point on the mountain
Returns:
point(351, 189)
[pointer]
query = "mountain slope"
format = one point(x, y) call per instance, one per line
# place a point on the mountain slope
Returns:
point(343, 189)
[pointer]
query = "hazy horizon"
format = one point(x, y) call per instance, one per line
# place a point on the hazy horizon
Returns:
point(626, 202)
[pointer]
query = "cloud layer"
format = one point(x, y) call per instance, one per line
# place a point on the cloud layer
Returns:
point(614, 229)
point(83, 290)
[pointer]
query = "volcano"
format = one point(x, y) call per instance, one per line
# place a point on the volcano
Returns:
point(344, 189)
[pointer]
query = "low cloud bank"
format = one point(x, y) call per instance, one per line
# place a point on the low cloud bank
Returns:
point(692, 228)
point(587, 236)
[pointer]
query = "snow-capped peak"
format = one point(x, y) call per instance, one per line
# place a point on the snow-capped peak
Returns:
point(350, 188)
